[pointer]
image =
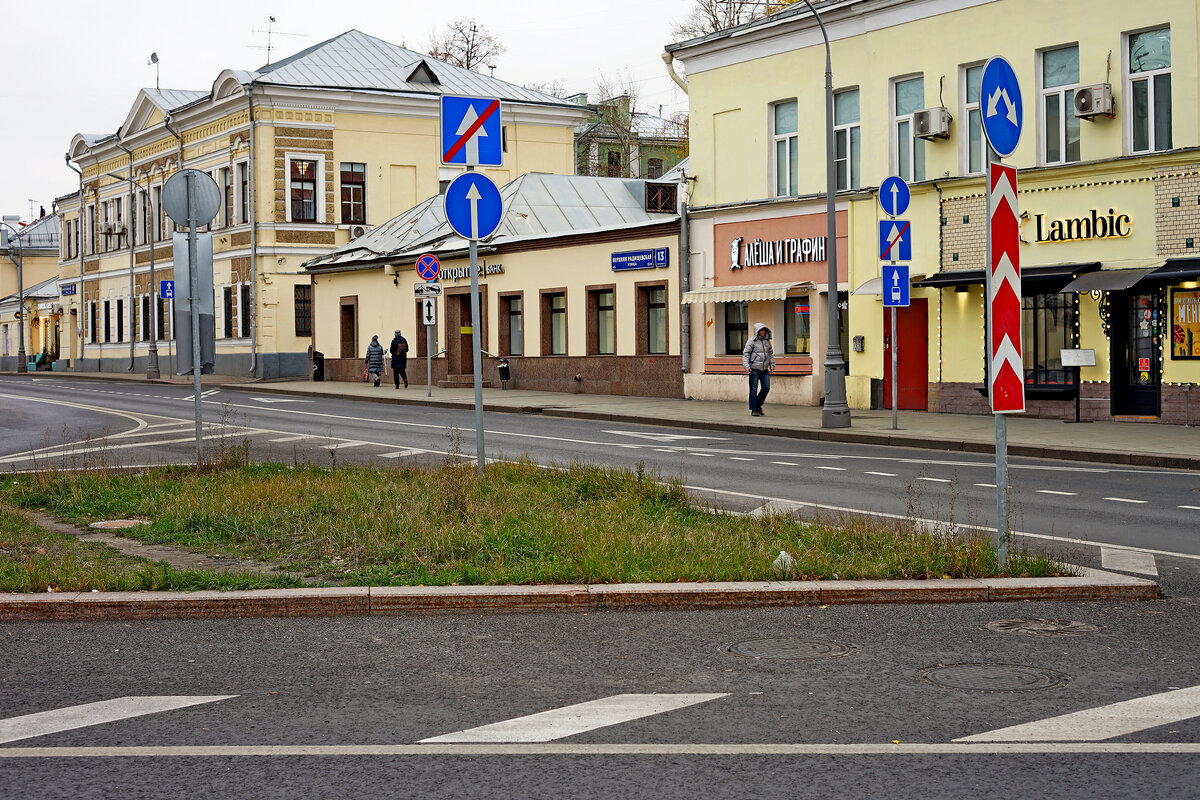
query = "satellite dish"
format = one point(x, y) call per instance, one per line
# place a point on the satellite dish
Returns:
point(154, 58)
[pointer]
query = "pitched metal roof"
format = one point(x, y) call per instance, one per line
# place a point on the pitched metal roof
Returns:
point(41, 234)
point(171, 99)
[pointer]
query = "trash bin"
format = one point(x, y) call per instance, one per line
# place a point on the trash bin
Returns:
point(318, 365)
point(505, 375)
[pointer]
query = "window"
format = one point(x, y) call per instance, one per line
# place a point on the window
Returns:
point(845, 139)
point(614, 164)
point(303, 190)
point(228, 311)
point(354, 193)
point(661, 197)
point(104, 227)
point(737, 327)
point(302, 299)
point(163, 316)
point(796, 331)
point(244, 314)
point(654, 167)
point(160, 216)
point(786, 148)
point(976, 146)
point(146, 326)
point(243, 181)
point(1060, 126)
point(656, 320)
point(554, 324)
point(1047, 327)
point(1150, 90)
point(602, 330)
point(909, 98)
point(512, 325)
point(93, 322)
point(120, 320)
point(91, 215)
point(226, 185)
point(118, 219)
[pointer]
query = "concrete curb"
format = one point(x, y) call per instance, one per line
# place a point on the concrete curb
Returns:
point(390, 600)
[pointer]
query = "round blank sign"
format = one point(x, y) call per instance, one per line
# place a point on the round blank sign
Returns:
point(205, 199)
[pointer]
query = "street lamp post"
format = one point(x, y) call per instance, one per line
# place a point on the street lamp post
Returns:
point(22, 361)
point(836, 412)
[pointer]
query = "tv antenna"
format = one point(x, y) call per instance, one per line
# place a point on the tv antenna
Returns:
point(154, 61)
point(270, 32)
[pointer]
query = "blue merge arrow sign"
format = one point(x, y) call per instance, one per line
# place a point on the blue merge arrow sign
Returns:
point(474, 208)
point(1000, 98)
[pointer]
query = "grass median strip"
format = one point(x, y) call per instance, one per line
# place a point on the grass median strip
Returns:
point(520, 524)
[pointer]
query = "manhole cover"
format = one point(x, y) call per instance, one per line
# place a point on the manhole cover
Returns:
point(1041, 627)
point(791, 649)
point(117, 524)
point(992, 677)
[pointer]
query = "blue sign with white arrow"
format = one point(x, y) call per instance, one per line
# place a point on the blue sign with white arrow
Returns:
point(474, 208)
point(895, 285)
point(895, 240)
point(471, 131)
point(894, 196)
point(166, 290)
point(1000, 98)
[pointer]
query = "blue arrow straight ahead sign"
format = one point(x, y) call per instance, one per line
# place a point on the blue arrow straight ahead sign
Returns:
point(895, 240)
point(471, 132)
point(894, 196)
point(474, 208)
point(166, 290)
point(895, 285)
point(1000, 101)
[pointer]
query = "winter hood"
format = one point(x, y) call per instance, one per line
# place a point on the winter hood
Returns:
point(758, 326)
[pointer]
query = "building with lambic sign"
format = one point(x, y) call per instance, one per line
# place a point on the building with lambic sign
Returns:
point(309, 152)
point(1109, 197)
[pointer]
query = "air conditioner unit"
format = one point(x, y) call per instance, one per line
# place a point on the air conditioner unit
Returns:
point(932, 123)
point(357, 230)
point(1094, 101)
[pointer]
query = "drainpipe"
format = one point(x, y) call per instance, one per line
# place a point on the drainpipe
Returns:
point(178, 138)
point(685, 282)
point(669, 59)
point(129, 234)
point(253, 241)
point(80, 319)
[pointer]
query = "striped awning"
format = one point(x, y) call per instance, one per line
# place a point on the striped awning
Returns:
point(736, 294)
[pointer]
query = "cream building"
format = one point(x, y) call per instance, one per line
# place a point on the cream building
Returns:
point(907, 102)
point(308, 153)
point(34, 248)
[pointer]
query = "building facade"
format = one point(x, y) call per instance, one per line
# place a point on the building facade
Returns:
point(34, 248)
point(1108, 193)
point(307, 153)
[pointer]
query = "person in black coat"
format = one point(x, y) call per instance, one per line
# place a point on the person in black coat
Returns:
point(399, 351)
point(374, 359)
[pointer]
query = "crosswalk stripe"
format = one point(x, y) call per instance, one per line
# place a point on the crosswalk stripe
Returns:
point(579, 718)
point(340, 445)
point(400, 454)
point(82, 716)
point(1128, 561)
point(1105, 722)
point(292, 438)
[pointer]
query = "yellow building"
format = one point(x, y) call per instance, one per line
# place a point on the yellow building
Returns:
point(1109, 181)
point(307, 152)
point(577, 290)
point(32, 248)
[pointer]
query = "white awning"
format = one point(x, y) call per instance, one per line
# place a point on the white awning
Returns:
point(735, 294)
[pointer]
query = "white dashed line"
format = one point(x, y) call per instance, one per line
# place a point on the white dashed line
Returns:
point(935, 480)
point(785, 463)
point(1125, 500)
point(834, 469)
point(736, 458)
point(704, 455)
point(882, 474)
point(1051, 491)
point(1191, 508)
point(663, 450)
point(987, 485)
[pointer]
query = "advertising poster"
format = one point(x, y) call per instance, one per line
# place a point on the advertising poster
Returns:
point(1185, 323)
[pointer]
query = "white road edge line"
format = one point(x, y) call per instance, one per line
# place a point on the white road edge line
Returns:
point(83, 716)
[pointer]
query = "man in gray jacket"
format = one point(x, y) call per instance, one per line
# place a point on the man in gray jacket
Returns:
point(758, 357)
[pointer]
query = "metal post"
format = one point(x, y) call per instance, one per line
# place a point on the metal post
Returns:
point(194, 280)
point(1001, 421)
point(152, 370)
point(429, 361)
point(895, 379)
point(477, 355)
point(22, 359)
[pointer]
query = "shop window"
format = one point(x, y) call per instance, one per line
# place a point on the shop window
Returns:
point(1150, 90)
point(785, 153)
point(302, 189)
point(354, 193)
point(1060, 126)
point(796, 330)
point(846, 139)
point(654, 299)
point(909, 158)
point(554, 324)
point(976, 146)
point(302, 302)
point(737, 327)
point(654, 168)
point(512, 334)
point(1047, 327)
point(602, 322)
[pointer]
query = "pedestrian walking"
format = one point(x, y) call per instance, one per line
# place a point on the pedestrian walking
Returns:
point(375, 359)
point(399, 351)
point(758, 358)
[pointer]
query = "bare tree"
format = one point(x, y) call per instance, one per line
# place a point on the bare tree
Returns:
point(614, 143)
point(465, 43)
point(555, 87)
point(710, 16)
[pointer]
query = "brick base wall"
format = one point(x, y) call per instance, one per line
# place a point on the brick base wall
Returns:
point(1095, 404)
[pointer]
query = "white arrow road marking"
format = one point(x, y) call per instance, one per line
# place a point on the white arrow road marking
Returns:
point(72, 717)
point(1105, 722)
point(1128, 561)
point(580, 718)
point(666, 437)
point(279, 400)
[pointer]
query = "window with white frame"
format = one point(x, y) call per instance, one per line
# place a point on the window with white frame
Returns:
point(1149, 92)
point(305, 188)
point(1060, 126)
point(846, 139)
point(975, 147)
point(908, 98)
point(243, 186)
point(785, 148)
point(226, 184)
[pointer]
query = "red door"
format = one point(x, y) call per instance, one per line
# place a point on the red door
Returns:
point(912, 356)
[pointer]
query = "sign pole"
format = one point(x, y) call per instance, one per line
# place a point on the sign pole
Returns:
point(476, 347)
point(895, 377)
point(194, 280)
point(1001, 419)
point(429, 361)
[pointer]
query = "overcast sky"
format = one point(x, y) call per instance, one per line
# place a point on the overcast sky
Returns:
point(75, 67)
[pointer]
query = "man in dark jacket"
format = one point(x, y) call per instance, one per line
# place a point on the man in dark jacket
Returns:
point(375, 359)
point(399, 351)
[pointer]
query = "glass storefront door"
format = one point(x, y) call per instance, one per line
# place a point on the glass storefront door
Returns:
point(1136, 355)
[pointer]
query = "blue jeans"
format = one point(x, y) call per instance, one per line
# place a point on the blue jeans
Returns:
point(757, 395)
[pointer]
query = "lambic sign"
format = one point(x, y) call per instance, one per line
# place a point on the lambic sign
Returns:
point(1095, 226)
point(759, 253)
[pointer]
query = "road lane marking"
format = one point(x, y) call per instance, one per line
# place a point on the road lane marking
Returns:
point(1127, 561)
point(575, 719)
point(882, 474)
point(666, 438)
point(987, 485)
point(785, 463)
point(737, 458)
point(934, 480)
point(1051, 491)
point(1125, 500)
point(82, 716)
point(664, 450)
point(1191, 508)
point(341, 445)
point(702, 455)
point(292, 438)
point(400, 453)
point(1105, 722)
point(834, 469)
